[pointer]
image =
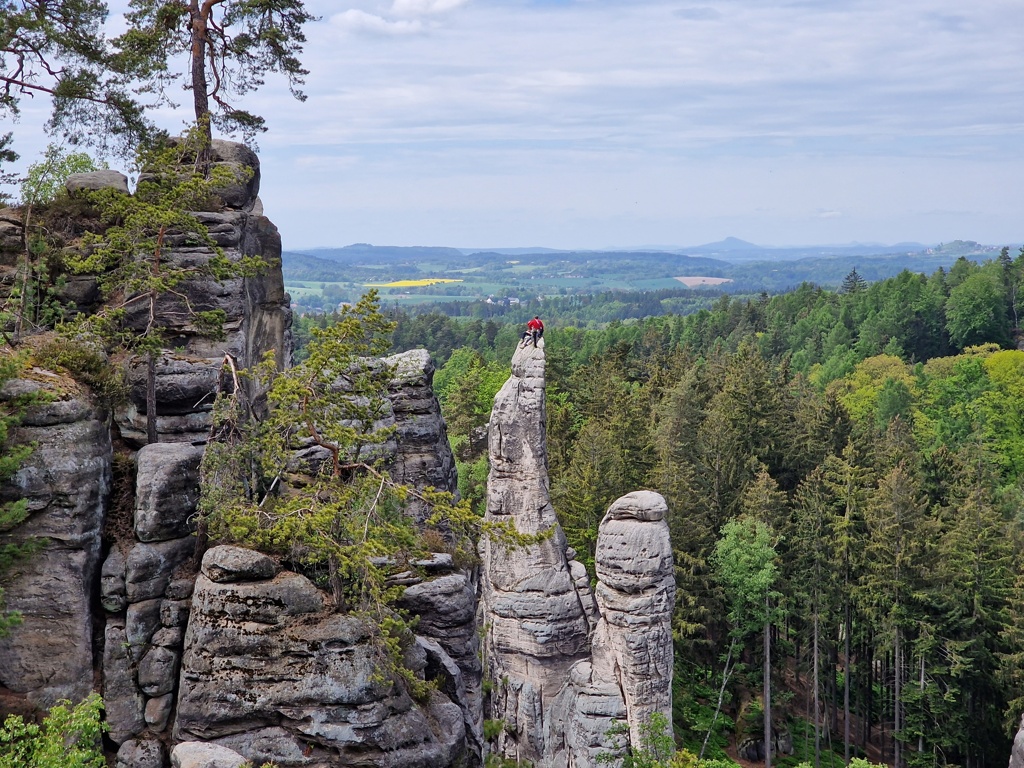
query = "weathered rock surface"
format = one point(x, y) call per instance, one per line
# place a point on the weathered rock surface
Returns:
point(94, 181)
point(567, 663)
point(1017, 753)
point(423, 456)
point(226, 563)
point(446, 607)
point(629, 675)
point(256, 311)
point(270, 671)
point(66, 480)
point(195, 754)
point(537, 624)
point(140, 754)
point(167, 490)
point(635, 596)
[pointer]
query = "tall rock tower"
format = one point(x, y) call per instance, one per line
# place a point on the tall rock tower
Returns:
point(536, 618)
point(565, 667)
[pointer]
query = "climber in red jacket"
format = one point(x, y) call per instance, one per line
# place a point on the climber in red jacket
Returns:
point(534, 330)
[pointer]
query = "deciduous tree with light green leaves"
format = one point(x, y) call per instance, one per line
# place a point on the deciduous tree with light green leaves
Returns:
point(69, 737)
point(746, 562)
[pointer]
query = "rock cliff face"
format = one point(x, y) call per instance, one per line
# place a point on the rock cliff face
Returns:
point(116, 618)
point(238, 659)
point(66, 481)
point(271, 672)
point(563, 666)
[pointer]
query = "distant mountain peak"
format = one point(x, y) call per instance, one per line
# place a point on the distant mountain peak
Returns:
point(728, 244)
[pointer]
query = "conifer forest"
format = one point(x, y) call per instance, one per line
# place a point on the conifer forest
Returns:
point(867, 443)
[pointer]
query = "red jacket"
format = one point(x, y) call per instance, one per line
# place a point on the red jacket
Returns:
point(535, 325)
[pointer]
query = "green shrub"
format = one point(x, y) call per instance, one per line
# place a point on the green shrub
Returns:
point(69, 737)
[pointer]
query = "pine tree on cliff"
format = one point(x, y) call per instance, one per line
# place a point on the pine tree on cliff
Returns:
point(231, 45)
point(130, 256)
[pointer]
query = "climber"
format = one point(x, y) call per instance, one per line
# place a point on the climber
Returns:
point(534, 330)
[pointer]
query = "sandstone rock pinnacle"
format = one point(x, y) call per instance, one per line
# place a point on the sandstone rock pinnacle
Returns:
point(537, 624)
point(565, 668)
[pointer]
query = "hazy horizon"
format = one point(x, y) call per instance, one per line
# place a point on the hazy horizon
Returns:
point(579, 123)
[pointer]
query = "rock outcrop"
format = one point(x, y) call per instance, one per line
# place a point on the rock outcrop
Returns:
point(66, 481)
point(564, 666)
point(536, 619)
point(272, 672)
point(629, 676)
point(422, 456)
point(1017, 753)
point(256, 311)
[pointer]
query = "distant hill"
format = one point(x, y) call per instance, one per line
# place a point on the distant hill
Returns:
point(511, 251)
point(370, 254)
point(722, 246)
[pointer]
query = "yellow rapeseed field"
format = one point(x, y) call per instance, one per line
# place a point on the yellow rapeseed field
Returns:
point(411, 283)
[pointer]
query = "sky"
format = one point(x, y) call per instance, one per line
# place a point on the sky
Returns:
point(597, 124)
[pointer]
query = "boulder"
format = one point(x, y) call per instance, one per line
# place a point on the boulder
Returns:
point(122, 699)
point(166, 490)
point(113, 596)
point(149, 567)
point(226, 563)
point(136, 753)
point(195, 754)
point(158, 712)
point(93, 181)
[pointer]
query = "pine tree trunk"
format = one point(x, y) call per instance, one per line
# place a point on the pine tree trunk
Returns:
point(847, 682)
point(151, 433)
point(817, 704)
point(767, 688)
point(920, 736)
point(200, 94)
point(897, 707)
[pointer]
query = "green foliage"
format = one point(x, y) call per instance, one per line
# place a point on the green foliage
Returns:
point(230, 48)
point(493, 729)
point(69, 737)
point(44, 180)
point(59, 49)
point(7, 155)
point(294, 470)
point(129, 254)
point(745, 559)
point(655, 750)
point(976, 310)
point(86, 362)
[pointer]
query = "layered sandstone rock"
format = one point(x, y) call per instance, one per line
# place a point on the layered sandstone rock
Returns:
point(566, 667)
point(536, 619)
point(422, 456)
point(272, 672)
point(257, 315)
point(66, 480)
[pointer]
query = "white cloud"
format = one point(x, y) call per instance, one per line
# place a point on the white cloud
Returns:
point(424, 7)
point(356, 20)
point(706, 118)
